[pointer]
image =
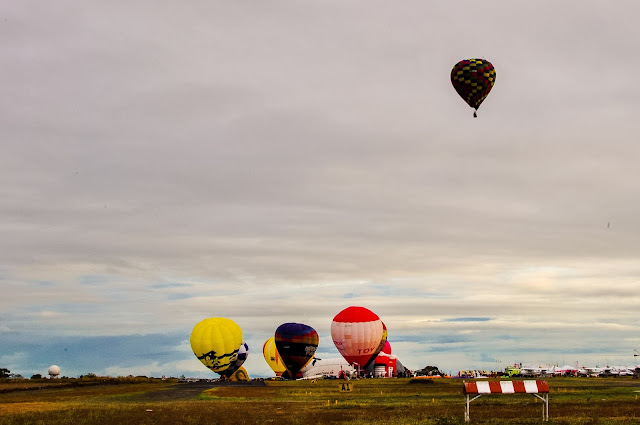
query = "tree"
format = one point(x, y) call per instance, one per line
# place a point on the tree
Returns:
point(429, 371)
point(36, 376)
point(4, 373)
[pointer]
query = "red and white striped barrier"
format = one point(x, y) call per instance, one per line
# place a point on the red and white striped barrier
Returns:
point(506, 387)
point(473, 390)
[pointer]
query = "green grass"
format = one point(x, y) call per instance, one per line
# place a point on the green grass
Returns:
point(574, 401)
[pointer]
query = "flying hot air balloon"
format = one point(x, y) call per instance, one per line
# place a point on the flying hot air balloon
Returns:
point(358, 334)
point(272, 357)
point(296, 343)
point(473, 79)
point(216, 342)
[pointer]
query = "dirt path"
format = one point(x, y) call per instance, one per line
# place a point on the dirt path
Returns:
point(191, 390)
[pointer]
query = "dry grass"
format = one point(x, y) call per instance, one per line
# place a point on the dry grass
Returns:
point(372, 402)
point(25, 385)
point(26, 407)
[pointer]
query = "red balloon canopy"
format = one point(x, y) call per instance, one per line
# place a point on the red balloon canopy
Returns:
point(387, 348)
point(358, 333)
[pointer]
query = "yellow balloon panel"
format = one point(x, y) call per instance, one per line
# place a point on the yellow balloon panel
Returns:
point(215, 342)
point(272, 357)
point(240, 375)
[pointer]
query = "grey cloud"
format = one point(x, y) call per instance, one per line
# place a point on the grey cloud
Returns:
point(167, 162)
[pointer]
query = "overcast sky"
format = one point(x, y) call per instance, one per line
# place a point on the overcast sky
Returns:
point(163, 161)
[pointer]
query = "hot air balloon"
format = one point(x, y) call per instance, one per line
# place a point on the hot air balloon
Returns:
point(358, 334)
point(383, 341)
point(473, 79)
point(243, 353)
point(216, 342)
point(272, 357)
point(239, 374)
point(296, 343)
point(386, 364)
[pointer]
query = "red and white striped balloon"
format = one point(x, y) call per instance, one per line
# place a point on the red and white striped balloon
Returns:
point(357, 333)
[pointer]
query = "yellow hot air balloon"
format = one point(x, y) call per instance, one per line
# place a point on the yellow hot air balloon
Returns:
point(272, 357)
point(240, 375)
point(215, 342)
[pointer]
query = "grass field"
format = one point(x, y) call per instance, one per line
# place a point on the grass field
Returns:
point(371, 401)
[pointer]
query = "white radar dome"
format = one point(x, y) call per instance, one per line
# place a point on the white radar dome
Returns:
point(54, 371)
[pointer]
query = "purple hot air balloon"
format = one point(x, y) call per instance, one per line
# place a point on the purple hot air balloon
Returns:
point(296, 344)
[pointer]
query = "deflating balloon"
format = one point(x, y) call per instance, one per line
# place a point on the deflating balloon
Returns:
point(243, 353)
point(296, 343)
point(216, 342)
point(273, 359)
point(358, 334)
point(473, 79)
point(240, 375)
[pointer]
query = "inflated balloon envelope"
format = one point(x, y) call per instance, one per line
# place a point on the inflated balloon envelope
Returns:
point(243, 353)
point(473, 79)
point(359, 335)
point(215, 342)
point(272, 357)
point(296, 343)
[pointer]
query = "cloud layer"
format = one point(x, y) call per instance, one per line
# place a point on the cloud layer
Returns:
point(163, 163)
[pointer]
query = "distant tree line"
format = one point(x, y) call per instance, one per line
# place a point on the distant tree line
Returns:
point(6, 374)
point(429, 371)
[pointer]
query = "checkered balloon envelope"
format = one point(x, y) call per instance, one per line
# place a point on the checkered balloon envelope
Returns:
point(473, 79)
